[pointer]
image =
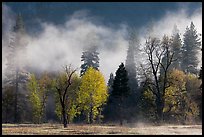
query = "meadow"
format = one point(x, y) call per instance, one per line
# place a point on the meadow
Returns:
point(102, 129)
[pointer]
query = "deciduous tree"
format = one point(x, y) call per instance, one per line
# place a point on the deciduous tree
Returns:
point(159, 57)
point(62, 84)
point(92, 94)
point(39, 91)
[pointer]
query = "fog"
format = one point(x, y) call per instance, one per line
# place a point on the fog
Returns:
point(7, 23)
point(58, 45)
point(181, 18)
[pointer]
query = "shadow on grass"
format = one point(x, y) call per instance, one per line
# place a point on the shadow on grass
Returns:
point(20, 125)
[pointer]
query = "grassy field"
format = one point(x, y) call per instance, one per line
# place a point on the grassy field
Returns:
point(83, 129)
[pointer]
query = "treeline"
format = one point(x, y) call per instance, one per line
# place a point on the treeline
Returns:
point(166, 88)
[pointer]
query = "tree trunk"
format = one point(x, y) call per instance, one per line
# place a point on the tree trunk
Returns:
point(160, 114)
point(160, 106)
point(91, 114)
point(91, 109)
point(68, 120)
point(120, 111)
point(64, 117)
point(6, 115)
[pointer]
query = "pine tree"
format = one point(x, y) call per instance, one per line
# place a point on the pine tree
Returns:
point(130, 62)
point(166, 42)
point(130, 65)
point(90, 59)
point(176, 49)
point(190, 49)
point(107, 111)
point(16, 75)
point(120, 91)
point(110, 83)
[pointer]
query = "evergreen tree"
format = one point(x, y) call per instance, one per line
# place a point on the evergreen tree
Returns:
point(107, 111)
point(120, 92)
point(190, 49)
point(15, 56)
point(8, 99)
point(90, 59)
point(16, 74)
point(166, 42)
point(110, 83)
point(130, 62)
point(130, 65)
point(176, 49)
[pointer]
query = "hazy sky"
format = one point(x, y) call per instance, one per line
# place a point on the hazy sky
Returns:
point(59, 32)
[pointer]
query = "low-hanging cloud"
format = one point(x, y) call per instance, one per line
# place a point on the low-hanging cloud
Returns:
point(58, 45)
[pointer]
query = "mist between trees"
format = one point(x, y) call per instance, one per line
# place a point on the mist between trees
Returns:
point(165, 88)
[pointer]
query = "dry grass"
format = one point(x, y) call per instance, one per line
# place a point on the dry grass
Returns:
point(83, 129)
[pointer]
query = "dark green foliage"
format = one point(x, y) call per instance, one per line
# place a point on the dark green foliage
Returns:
point(110, 83)
point(119, 94)
point(190, 49)
point(107, 111)
point(8, 98)
point(8, 103)
point(90, 59)
point(146, 103)
point(120, 83)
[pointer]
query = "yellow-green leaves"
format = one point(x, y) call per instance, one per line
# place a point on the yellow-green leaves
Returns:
point(34, 98)
point(70, 97)
point(93, 92)
point(38, 95)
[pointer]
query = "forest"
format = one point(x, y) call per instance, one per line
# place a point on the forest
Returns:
point(167, 88)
